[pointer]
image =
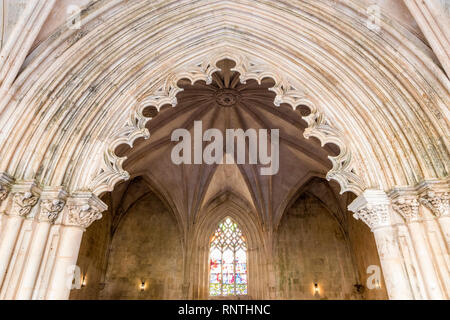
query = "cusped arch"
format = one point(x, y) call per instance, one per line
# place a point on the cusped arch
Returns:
point(381, 92)
point(287, 92)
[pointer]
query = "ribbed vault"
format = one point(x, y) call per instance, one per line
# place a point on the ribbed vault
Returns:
point(224, 104)
point(80, 87)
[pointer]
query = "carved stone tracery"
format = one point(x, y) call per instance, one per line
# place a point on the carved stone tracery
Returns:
point(408, 208)
point(50, 210)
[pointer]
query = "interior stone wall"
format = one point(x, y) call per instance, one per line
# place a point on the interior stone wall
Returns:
point(146, 247)
point(311, 248)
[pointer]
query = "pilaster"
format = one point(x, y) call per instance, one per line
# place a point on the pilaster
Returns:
point(373, 208)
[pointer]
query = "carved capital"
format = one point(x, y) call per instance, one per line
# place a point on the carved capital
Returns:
point(82, 215)
point(50, 210)
point(82, 209)
point(4, 191)
point(23, 203)
point(408, 208)
point(5, 186)
point(437, 202)
point(372, 207)
point(374, 216)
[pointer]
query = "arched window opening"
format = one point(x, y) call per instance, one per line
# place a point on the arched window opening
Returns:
point(228, 261)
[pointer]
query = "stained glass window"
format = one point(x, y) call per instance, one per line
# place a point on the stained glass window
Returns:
point(228, 261)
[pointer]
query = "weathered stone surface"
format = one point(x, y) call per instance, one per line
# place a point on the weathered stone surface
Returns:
point(311, 248)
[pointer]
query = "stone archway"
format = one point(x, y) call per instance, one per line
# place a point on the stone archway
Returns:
point(344, 169)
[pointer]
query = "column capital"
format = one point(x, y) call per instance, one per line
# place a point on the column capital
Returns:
point(53, 201)
point(372, 207)
point(405, 201)
point(25, 195)
point(5, 185)
point(408, 208)
point(434, 195)
point(83, 209)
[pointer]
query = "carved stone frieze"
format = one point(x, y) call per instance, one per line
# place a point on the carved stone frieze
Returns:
point(82, 216)
point(4, 191)
point(5, 186)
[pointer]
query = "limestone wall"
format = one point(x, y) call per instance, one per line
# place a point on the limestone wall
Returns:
point(146, 247)
point(311, 248)
point(93, 257)
point(366, 254)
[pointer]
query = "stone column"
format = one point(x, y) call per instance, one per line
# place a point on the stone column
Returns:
point(80, 212)
point(52, 203)
point(373, 208)
point(24, 198)
point(408, 207)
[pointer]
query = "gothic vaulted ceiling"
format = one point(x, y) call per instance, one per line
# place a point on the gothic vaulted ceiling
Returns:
point(227, 103)
point(76, 91)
